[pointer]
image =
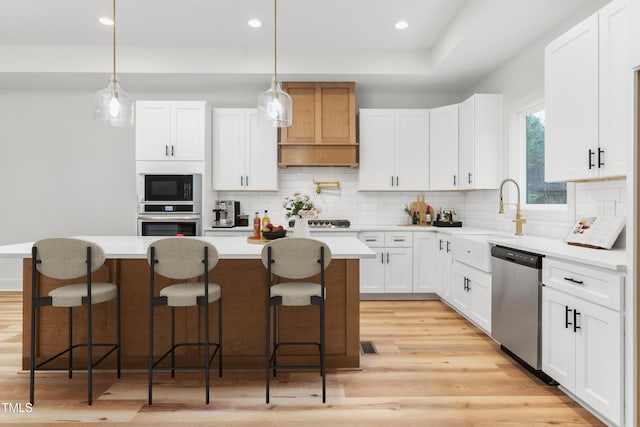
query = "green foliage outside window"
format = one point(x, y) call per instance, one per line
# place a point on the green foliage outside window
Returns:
point(539, 191)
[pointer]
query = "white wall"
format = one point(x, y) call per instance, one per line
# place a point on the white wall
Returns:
point(521, 83)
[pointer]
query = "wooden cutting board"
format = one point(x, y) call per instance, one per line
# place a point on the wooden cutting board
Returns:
point(422, 208)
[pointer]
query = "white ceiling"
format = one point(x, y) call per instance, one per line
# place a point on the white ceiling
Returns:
point(162, 44)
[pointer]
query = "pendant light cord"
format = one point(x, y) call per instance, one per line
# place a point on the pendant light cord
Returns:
point(114, 40)
point(275, 40)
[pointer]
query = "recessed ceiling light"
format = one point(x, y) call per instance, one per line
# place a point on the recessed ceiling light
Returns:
point(106, 21)
point(255, 23)
point(401, 25)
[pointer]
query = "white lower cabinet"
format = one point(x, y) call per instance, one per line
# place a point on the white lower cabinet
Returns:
point(391, 270)
point(424, 262)
point(471, 294)
point(582, 342)
point(444, 266)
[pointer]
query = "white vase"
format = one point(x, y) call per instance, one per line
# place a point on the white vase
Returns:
point(301, 227)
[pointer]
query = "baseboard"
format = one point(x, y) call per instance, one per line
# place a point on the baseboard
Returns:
point(398, 297)
point(10, 284)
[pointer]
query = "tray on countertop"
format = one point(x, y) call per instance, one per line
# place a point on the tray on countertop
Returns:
point(447, 224)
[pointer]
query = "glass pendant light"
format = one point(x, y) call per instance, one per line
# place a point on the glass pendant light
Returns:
point(274, 105)
point(113, 106)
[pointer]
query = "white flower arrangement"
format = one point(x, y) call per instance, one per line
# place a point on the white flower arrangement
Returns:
point(301, 205)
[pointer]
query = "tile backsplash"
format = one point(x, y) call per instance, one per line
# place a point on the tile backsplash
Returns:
point(474, 208)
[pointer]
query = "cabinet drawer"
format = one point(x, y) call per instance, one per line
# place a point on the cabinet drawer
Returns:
point(600, 287)
point(373, 239)
point(402, 239)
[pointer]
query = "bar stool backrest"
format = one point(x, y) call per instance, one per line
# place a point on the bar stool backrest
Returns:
point(181, 258)
point(65, 258)
point(296, 257)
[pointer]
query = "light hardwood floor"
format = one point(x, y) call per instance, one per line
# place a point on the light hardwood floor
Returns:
point(433, 369)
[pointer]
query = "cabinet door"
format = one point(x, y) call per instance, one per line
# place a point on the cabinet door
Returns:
point(479, 284)
point(599, 359)
point(443, 148)
point(412, 150)
point(466, 142)
point(187, 130)
point(228, 149)
point(479, 141)
point(571, 104)
point(558, 338)
point(399, 274)
point(372, 273)
point(261, 155)
point(460, 294)
point(425, 248)
point(377, 150)
point(153, 130)
point(635, 34)
point(444, 267)
point(616, 89)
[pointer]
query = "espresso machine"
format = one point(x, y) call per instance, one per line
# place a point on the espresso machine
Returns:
point(226, 213)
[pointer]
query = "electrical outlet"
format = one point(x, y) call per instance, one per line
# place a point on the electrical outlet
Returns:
point(610, 208)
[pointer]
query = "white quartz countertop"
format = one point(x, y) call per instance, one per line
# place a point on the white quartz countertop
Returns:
point(611, 259)
point(233, 247)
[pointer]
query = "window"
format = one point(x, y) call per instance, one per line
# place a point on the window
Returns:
point(538, 194)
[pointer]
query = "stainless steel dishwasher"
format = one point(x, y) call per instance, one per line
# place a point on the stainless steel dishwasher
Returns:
point(516, 298)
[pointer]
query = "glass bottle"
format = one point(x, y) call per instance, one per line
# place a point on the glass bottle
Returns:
point(265, 220)
point(256, 226)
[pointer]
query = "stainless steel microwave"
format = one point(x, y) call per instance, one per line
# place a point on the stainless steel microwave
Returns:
point(173, 188)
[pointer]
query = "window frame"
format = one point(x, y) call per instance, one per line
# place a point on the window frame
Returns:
point(518, 168)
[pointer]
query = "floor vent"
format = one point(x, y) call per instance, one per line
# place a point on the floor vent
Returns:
point(367, 347)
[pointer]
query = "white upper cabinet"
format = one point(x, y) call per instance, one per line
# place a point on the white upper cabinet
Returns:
point(170, 130)
point(394, 150)
point(245, 152)
point(479, 142)
point(588, 98)
point(635, 34)
point(443, 148)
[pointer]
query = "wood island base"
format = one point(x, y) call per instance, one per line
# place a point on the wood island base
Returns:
point(243, 283)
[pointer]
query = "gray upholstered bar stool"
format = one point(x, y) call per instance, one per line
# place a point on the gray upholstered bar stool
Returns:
point(67, 259)
point(294, 258)
point(183, 258)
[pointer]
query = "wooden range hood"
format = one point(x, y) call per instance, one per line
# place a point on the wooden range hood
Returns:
point(323, 132)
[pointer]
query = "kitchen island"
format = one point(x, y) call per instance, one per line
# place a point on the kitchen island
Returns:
point(242, 277)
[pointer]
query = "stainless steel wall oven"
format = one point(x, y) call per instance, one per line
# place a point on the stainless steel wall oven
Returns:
point(170, 205)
